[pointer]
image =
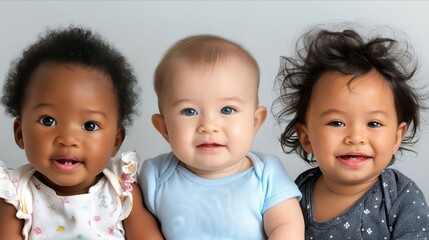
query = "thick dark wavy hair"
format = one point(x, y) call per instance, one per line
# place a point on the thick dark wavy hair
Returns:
point(346, 52)
point(73, 45)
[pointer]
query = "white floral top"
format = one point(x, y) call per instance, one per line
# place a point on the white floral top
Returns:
point(97, 214)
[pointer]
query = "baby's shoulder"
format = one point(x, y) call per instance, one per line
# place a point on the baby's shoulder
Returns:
point(264, 160)
point(160, 162)
point(13, 179)
point(159, 168)
point(397, 187)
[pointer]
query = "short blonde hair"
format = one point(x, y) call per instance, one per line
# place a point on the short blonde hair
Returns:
point(201, 51)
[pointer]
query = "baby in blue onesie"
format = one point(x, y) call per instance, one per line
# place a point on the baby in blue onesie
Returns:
point(211, 186)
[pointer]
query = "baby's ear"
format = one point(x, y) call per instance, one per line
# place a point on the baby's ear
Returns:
point(119, 139)
point(159, 124)
point(260, 116)
point(17, 132)
point(304, 139)
point(400, 133)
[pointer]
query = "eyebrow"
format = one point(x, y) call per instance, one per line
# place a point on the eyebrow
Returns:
point(42, 105)
point(233, 99)
point(48, 105)
point(337, 111)
point(180, 101)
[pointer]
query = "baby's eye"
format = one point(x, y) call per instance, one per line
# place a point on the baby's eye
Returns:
point(47, 121)
point(227, 110)
point(336, 124)
point(374, 124)
point(90, 126)
point(189, 112)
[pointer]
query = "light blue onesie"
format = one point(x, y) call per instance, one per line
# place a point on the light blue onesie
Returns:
point(190, 207)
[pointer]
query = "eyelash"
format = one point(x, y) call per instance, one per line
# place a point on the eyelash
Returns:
point(378, 124)
point(191, 112)
point(52, 122)
point(372, 124)
point(49, 121)
point(93, 124)
point(336, 124)
point(231, 110)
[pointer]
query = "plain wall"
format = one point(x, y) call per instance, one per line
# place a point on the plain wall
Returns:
point(143, 30)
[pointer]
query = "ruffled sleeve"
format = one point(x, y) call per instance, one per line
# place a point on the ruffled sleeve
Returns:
point(122, 172)
point(8, 189)
point(14, 186)
point(14, 189)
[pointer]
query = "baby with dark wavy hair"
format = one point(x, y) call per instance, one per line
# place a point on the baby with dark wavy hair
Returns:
point(349, 108)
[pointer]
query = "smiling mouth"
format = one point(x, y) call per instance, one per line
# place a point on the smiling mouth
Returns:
point(354, 157)
point(209, 145)
point(354, 161)
point(66, 162)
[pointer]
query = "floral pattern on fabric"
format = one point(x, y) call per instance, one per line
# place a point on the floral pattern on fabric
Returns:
point(97, 214)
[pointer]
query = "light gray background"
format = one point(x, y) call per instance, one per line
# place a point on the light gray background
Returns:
point(143, 30)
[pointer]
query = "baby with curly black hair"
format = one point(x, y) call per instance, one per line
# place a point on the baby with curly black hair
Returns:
point(349, 105)
point(72, 95)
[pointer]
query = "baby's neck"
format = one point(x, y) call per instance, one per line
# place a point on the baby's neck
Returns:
point(339, 197)
point(240, 166)
point(336, 188)
point(67, 190)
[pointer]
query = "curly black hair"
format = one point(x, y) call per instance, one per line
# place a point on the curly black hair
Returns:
point(346, 52)
point(73, 45)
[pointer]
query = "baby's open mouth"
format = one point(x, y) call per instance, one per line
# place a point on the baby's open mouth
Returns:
point(66, 162)
point(354, 157)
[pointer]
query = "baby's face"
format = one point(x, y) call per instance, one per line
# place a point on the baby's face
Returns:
point(352, 129)
point(211, 116)
point(69, 124)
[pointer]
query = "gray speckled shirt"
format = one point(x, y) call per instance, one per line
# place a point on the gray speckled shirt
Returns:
point(393, 208)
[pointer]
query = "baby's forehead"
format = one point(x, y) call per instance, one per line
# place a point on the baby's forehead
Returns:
point(202, 67)
point(233, 77)
point(52, 73)
point(238, 73)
